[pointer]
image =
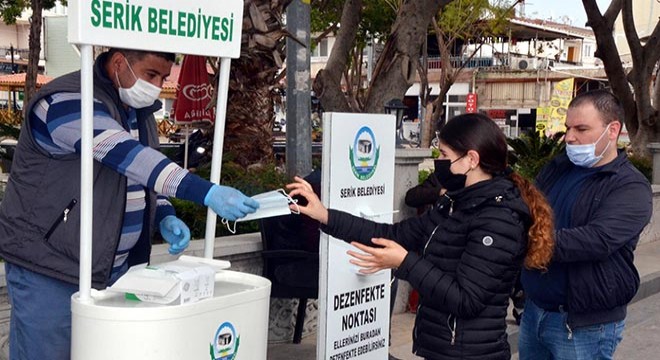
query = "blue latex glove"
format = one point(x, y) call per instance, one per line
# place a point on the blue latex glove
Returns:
point(176, 233)
point(229, 203)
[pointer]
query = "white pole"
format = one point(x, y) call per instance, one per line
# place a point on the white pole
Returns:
point(185, 147)
point(86, 170)
point(216, 157)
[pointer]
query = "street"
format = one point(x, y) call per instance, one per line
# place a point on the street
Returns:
point(640, 338)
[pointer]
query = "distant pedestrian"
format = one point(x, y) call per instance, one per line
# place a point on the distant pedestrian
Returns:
point(601, 203)
point(429, 192)
point(464, 254)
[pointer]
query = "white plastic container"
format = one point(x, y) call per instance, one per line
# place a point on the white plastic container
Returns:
point(232, 325)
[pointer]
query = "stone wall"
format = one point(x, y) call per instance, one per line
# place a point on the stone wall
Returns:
point(652, 230)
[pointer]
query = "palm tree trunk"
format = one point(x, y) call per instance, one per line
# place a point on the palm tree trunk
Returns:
point(252, 85)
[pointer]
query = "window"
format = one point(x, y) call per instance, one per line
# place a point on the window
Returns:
point(321, 49)
point(457, 98)
point(587, 51)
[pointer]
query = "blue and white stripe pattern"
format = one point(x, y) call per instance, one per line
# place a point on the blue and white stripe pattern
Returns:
point(55, 122)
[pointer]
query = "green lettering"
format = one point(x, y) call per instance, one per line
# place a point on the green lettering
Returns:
point(118, 16)
point(216, 27)
point(181, 29)
point(231, 28)
point(192, 24)
point(162, 19)
point(207, 22)
point(96, 13)
point(170, 24)
point(199, 22)
point(224, 34)
point(107, 13)
point(135, 18)
point(152, 16)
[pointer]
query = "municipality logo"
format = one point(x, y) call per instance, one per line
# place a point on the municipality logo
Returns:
point(364, 154)
point(225, 343)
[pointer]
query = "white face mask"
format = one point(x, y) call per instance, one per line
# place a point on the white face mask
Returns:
point(141, 94)
point(271, 203)
point(585, 155)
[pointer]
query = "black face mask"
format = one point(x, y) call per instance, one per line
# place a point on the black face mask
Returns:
point(448, 179)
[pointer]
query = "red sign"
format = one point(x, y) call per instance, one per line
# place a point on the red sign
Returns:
point(496, 114)
point(193, 93)
point(471, 103)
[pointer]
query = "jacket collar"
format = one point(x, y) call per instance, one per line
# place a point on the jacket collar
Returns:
point(499, 189)
point(613, 166)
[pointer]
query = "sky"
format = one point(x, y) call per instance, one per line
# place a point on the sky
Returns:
point(556, 9)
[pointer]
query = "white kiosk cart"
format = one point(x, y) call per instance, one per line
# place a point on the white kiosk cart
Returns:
point(233, 324)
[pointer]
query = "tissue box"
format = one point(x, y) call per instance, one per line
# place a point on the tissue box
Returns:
point(176, 282)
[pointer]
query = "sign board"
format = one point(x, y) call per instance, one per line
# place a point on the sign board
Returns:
point(358, 177)
point(201, 27)
point(551, 119)
point(471, 103)
point(562, 94)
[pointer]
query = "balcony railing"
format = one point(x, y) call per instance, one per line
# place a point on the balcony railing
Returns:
point(435, 63)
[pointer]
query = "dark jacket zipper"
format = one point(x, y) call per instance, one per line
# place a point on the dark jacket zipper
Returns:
point(64, 216)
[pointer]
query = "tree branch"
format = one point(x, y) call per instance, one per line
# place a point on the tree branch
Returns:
point(607, 51)
point(611, 13)
point(324, 34)
point(630, 31)
point(397, 63)
point(327, 84)
point(652, 46)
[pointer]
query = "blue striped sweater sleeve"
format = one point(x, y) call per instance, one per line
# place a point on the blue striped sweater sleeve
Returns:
point(55, 123)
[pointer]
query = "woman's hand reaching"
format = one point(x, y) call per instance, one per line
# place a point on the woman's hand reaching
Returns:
point(314, 208)
point(389, 256)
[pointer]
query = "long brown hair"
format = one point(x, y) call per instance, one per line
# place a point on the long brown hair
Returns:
point(541, 242)
point(478, 132)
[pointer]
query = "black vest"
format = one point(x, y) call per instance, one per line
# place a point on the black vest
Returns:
point(35, 232)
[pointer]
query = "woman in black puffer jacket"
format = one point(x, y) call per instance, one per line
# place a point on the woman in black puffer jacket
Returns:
point(463, 255)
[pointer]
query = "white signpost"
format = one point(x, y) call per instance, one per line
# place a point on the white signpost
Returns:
point(358, 177)
point(200, 27)
point(238, 313)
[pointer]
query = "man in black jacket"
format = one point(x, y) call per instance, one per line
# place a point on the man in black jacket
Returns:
point(601, 203)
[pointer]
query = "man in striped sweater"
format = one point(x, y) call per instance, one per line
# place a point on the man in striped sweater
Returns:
point(39, 219)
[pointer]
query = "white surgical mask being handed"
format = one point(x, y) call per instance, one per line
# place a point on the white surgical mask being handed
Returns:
point(271, 203)
point(585, 155)
point(141, 94)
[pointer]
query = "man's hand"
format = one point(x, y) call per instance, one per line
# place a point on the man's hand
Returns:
point(229, 203)
point(176, 233)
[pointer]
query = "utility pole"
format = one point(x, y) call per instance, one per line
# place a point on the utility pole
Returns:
point(298, 90)
point(13, 71)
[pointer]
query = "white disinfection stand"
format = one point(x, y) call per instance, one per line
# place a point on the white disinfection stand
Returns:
point(231, 325)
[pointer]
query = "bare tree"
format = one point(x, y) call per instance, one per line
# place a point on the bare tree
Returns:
point(395, 70)
point(470, 21)
point(10, 10)
point(633, 88)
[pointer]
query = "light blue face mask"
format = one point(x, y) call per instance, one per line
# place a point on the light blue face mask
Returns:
point(585, 155)
point(271, 203)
